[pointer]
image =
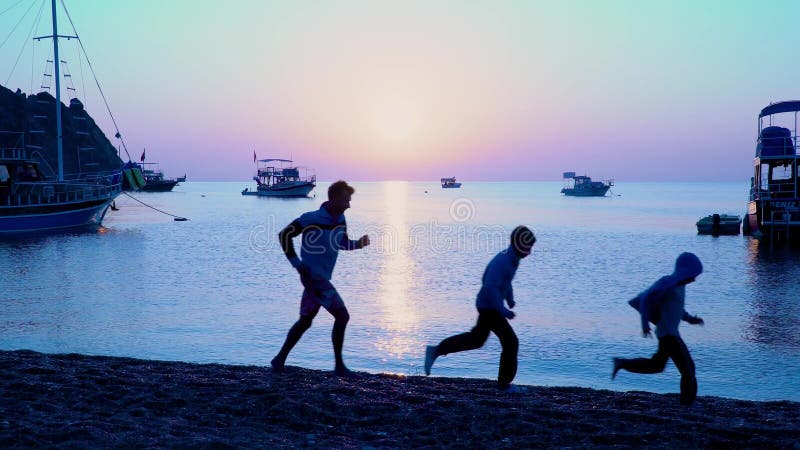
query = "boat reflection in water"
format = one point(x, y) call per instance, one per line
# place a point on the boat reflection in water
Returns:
point(774, 309)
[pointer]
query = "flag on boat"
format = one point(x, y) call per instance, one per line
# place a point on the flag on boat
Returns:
point(254, 156)
point(142, 158)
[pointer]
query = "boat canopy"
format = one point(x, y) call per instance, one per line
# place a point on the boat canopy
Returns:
point(275, 159)
point(780, 107)
point(775, 141)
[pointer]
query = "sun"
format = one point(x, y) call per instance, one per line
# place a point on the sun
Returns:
point(396, 121)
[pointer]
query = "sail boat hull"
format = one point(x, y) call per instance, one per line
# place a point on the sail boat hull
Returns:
point(13, 220)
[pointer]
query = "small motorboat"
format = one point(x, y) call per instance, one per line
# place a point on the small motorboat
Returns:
point(583, 186)
point(719, 224)
point(450, 183)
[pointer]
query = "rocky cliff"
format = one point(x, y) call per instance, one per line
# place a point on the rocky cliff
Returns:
point(85, 147)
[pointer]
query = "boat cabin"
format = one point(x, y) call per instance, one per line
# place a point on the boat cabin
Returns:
point(270, 173)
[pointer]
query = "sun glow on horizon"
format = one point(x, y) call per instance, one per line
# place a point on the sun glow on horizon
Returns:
point(396, 120)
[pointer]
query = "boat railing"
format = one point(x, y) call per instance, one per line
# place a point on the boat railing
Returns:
point(287, 174)
point(33, 193)
point(13, 153)
point(23, 154)
point(774, 191)
point(789, 148)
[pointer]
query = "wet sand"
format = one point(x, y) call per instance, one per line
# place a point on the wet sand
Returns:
point(89, 401)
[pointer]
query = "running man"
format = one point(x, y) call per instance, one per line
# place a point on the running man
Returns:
point(493, 316)
point(663, 304)
point(324, 234)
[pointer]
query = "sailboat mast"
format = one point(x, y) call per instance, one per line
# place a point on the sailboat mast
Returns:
point(56, 63)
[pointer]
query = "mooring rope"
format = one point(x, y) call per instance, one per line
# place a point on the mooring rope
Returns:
point(177, 218)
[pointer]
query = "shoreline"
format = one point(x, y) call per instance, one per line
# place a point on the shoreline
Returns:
point(78, 400)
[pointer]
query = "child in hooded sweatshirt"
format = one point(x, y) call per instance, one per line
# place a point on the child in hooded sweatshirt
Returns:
point(663, 304)
point(493, 316)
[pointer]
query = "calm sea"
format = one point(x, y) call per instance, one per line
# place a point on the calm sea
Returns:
point(218, 289)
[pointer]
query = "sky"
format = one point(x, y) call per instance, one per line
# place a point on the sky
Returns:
point(419, 90)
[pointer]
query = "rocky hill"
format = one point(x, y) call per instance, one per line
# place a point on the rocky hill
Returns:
point(85, 147)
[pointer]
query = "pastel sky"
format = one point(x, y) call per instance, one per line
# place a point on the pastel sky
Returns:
point(417, 90)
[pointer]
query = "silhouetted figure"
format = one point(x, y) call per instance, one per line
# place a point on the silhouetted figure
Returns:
point(492, 314)
point(30, 173)
point(663, 304)
point(324, 234)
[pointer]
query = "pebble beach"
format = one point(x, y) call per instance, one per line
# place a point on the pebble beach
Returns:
point(72, 400)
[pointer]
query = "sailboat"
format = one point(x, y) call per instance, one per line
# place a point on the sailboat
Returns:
point(34, 197)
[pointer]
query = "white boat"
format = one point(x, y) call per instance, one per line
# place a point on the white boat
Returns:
point(719, 224)
point(773, 210)
point(450, 183)
point(280, 178)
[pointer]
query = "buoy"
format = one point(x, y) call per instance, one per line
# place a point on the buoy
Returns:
point(180, 219)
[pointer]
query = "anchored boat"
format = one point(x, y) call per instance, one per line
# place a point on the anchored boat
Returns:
point(773, 210)
point(34, 197)
point(719, 224)
point(154, 179)
point(450, 183)
point(280, 178)
point(31, 201)
point(583, 186)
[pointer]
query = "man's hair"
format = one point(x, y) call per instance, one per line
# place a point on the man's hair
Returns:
point(339, 187)
point(522, 236)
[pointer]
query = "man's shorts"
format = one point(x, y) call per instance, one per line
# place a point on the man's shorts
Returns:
point(320, 293)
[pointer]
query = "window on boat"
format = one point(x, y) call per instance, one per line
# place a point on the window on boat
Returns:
point(780, 173)
point(781, 180)
point(763, 176)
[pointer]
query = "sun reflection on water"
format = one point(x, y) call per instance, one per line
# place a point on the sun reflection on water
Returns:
point(396, 277)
